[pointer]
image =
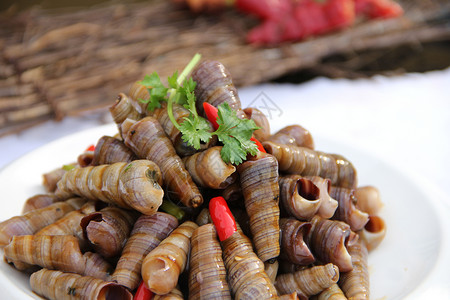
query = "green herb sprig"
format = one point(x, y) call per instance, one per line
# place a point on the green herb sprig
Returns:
point(233, 132)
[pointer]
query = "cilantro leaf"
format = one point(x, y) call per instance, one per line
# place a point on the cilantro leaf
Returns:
point(195, 130)
point(156, 90)
point(235, 134)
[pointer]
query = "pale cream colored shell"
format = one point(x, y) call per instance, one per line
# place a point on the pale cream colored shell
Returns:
point(208, 169)
point(373, 233)
point(299, 197)
point(328, 205)
point(368, 199)
point(355, 283)
point(163, 265)
point(147, 233)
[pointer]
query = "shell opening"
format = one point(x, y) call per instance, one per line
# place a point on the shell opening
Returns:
point(307, 189)
point(375, 224)
point(114, 292)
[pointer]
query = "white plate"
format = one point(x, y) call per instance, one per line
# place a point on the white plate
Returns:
point(412, 261)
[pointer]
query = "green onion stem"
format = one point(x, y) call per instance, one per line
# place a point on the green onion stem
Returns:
point(172, 92)
point(172, 209)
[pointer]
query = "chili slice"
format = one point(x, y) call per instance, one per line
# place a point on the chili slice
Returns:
point(143, 293)
point(222, 218)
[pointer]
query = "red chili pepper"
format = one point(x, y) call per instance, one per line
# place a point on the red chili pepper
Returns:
point(378, 8)
point(212, 113)
point(90, 148)
point(143, 293)
point(222, 218)
point(258, 143)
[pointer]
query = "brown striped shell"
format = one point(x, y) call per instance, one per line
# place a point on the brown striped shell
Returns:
point(208, 169)
point(261, 121)
point(203, 217)
point(299, 197)
point(246, 275)
point(259, 183)
point(309, 281)
point(306, 162)
point(207, 274)
point(148, 140)
point(51, 178)
point(125, 108)
point(110, 150)
point(334, 292)
point(328, 241)
point(58, 252)
point(137, 93)
point(163, 265)
point(215, 86)
point(97, 266)
point(128, 185)
point(294, 135)
point(147, 233)
point(108, 229)
point(39, 201)
point(293, 246)
point(56, 285)
point(233, 192)
point(355, 283)
point(346, 210)
point(35, 220)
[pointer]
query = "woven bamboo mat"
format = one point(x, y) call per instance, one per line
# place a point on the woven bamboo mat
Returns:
point(57, 63)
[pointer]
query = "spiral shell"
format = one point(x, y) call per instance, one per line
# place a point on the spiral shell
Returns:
point(179, 113)
point(261, 121)
point(246, 275)
point(306, 162)
point(97, 266)
point(308, 281)
point(138, 94)
point(355, 283)
point(328, 205)
point(294, 135)
point(334, 292)
point(128, 185)
point(174, 294)
point(207, 274)
point(233, 192)
point(39, 201)
point(347, 210)
point(147, 233)
point(373, 232)
point(368, 199)
point(259, 183)
point(50, 179)
point(124, 108)
point(203, 217)
point(215, 86)
point(33, 221)
point(108, 230)
point(328, 240)
point(293, 246)
point(110, 150)
point(299, 197)
point(207, 169)
point(58, 252)
point(163, 265)
point(56, 285)
point(148, 140)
